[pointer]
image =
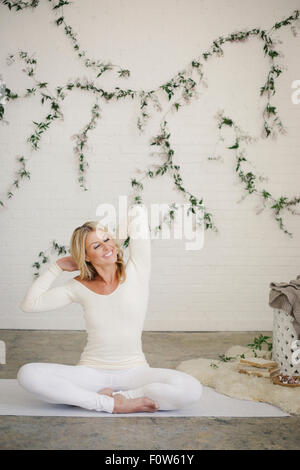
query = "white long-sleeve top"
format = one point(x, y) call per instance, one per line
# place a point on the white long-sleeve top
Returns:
point(114, 322)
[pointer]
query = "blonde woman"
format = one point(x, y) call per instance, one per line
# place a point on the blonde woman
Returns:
point(112, 374)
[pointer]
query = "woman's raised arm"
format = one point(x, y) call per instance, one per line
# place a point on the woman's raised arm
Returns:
point(140, 238)
point(40, 298)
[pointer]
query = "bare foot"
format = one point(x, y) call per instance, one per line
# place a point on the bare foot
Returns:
point(106, 391)
point(132, 405)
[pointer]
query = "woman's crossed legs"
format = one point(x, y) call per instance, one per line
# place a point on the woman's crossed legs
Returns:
point(80, 385)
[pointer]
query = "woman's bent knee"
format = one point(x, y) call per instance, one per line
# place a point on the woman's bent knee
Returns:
point(29, 375)
point(189, 388)
point(193, 389)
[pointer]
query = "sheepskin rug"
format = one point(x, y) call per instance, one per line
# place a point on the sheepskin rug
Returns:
point(225, 378)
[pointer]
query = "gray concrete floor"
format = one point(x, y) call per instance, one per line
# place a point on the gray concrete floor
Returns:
point(162, 349)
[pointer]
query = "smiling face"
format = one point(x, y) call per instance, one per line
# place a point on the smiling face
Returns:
point(100, 248)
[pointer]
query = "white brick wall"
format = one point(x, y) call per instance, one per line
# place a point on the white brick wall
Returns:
point(225, 286)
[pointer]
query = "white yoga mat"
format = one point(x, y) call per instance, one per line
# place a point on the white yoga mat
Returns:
point(16, 401)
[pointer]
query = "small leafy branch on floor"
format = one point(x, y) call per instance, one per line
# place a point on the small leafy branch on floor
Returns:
point(259, 342)
point(223, 358)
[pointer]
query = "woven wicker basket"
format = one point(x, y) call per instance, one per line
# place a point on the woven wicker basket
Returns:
point(283, 336)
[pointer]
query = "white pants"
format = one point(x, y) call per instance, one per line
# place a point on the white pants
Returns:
point(78, 385)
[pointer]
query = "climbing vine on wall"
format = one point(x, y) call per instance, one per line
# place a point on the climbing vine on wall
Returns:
point(179, 91)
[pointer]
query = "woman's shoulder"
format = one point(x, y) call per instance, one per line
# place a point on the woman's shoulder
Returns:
point(74, 281)
point(82, 281)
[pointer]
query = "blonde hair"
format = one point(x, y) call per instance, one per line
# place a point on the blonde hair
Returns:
point(78, 251)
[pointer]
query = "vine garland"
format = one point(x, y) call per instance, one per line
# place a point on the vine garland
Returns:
point(183, 82)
